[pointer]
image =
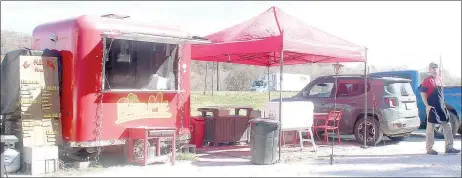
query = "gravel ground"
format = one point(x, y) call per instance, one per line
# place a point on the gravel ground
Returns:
point(406, 158)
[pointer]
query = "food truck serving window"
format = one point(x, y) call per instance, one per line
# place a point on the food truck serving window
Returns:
point(140, 65)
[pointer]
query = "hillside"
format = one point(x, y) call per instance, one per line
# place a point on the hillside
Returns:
point(13, 40)
point(232, 76)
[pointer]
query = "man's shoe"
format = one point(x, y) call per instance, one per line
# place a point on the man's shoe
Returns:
point(432, 152)
point(452, 150)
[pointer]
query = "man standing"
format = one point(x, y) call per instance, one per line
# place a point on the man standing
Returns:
point(432, 97)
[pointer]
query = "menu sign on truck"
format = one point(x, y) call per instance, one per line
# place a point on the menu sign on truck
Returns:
point(39, 101)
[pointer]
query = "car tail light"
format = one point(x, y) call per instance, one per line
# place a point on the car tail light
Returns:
point(391, 102)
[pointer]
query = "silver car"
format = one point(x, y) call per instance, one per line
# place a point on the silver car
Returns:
point(391, 105)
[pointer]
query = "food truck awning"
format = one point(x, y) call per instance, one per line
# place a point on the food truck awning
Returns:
point(154, 38)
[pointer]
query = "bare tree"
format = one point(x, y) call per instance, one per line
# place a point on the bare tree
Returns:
point(239, 80)
point(13, 40)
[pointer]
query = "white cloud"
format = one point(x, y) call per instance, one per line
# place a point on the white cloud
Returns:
point(396, 33)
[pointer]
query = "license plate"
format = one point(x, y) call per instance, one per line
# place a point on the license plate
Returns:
point(410, 105)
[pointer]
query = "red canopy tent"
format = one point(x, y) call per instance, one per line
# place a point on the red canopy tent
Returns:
point(275, 38)
point(260, 40)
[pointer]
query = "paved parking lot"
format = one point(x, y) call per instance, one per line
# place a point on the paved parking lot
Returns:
point(406, 158)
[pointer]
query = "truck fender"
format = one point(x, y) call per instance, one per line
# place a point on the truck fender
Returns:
point(361, 115)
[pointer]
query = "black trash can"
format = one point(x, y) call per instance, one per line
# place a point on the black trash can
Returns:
point(264, 140)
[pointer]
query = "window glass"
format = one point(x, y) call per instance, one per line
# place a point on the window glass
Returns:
point(258, 83)
point(400, 88)
point(349, 89)
point(321, 90)
point(137, 65)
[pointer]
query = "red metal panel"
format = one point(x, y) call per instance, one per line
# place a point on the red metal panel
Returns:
point(80, 44)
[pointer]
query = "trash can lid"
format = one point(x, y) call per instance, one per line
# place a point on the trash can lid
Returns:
point(263, 120)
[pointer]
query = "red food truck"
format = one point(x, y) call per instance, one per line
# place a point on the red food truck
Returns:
point(117, 74)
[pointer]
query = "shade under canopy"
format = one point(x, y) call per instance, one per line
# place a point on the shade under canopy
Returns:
point(260, 40)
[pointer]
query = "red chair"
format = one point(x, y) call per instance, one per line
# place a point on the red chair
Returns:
point(331, 122)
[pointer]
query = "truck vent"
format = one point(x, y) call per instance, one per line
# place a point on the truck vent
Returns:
point(115, 16)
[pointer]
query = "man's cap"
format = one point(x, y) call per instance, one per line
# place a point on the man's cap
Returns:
point(433, 65)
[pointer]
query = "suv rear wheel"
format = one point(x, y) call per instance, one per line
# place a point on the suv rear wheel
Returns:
point(374, 133)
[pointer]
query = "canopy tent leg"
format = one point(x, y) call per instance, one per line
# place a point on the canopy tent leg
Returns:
point(365, 104)
point(205, 78)
point(212, 80)
point(337, 68)
point(218, 76)
point(281, 67)
point(268, 84)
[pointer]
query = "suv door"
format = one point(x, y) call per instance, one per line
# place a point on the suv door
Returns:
point(319, 92)
point(350, 98)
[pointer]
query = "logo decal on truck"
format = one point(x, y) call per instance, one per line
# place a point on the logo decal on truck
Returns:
point(26, 65)
point(130, 108)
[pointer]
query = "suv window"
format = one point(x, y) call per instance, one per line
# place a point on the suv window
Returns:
point(321, 90)
point(350, 88)
point(400, 89)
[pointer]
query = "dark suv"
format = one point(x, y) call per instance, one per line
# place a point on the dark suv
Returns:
point(391, 107)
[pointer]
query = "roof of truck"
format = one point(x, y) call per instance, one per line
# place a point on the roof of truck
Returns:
point(121, 25)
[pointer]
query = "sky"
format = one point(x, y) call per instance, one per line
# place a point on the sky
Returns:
point(396, 33)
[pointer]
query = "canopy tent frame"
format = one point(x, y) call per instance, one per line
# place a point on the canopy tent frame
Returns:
point(264, 51)
point(281, 70)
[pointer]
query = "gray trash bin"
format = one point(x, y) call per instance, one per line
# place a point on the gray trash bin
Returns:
point(4, 140)
point(264, 140)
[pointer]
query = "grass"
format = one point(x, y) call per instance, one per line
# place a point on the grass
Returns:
point(254, 99)
point(186, 157)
